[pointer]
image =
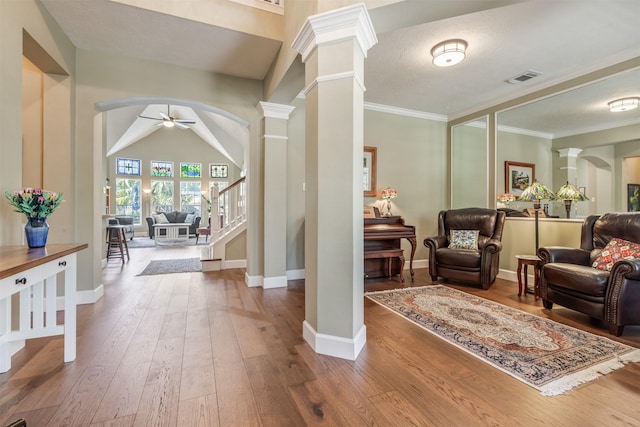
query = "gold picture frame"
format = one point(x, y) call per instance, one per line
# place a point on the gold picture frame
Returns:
point(518, 176)
point(369, 171)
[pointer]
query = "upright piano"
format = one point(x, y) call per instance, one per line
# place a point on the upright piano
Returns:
point(386, 232)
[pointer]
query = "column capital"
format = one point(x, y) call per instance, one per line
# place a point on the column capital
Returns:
point(569, 152)
point(275, 111)
point(351, 22)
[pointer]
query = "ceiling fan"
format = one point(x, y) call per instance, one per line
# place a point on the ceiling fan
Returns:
point(168, 121)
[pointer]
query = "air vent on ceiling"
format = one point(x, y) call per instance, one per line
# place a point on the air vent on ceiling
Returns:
point(524, 77)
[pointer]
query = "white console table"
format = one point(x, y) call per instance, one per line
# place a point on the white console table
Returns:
point(32, 273)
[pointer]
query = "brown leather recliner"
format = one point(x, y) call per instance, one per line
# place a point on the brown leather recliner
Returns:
point(479, 265)
point(568, 278)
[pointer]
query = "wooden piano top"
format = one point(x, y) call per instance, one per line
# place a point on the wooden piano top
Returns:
point(390, 227)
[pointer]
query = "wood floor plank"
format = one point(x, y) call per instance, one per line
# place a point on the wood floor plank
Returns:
point(271, 393)
point(199, 412)
point(160, 397)
point(236, 404)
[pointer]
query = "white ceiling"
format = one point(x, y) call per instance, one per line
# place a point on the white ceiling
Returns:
point(562, 39)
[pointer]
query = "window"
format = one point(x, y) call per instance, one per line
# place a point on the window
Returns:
point(161, 168)
point(190, 170)
point(190, 197)
point(128, 167)
point(161, 196)
point(129, 198)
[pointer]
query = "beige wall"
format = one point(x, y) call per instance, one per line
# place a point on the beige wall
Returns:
point(16, 18)
point(103, 77)
point(411, 159)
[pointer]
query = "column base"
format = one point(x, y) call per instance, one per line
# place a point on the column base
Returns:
point(330, 345)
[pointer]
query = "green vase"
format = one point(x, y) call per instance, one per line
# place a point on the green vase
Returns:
point(36, 231)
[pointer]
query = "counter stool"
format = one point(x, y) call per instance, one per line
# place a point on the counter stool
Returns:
point(526, 260)
point(117, 242)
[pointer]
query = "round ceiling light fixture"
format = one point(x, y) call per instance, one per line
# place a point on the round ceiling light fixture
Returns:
point(449, 52)
point(623, 104)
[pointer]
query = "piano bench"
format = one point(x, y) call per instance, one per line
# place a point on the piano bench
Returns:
point(389, 254)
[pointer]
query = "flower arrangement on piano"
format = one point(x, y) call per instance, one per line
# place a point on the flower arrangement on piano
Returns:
point(388, 194)
point(506, 198)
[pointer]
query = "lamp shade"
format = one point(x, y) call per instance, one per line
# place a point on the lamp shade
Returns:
point(570, 192)
point(536, 192)
point(448, 53)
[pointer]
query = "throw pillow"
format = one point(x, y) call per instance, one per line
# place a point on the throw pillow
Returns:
point(464, 239)
point(160, 219)
point(189, 219)
point(616, 250)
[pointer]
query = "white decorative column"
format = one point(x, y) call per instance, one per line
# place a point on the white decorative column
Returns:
point(333, 46)
point(569, 167)
point(274, 131)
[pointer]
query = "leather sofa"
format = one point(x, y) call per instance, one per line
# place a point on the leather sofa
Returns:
point(479, 265)
point(568, 277)
point(176, 217)
point(127, 222)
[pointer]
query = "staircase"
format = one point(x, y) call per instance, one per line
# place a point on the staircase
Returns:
point(229, 219)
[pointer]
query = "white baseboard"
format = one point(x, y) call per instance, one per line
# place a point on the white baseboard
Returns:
point(83, 297)
point(295, 274)
point(344, 348)
point(274, 282)
point(252, 281)
point(235, 263)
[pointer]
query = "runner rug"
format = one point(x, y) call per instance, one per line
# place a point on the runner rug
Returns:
point(168, 266)
point(544, 354)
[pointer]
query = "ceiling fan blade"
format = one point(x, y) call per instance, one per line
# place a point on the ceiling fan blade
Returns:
point(180, 125)
point(164, 116)
point(150, 118)
point(185, 121)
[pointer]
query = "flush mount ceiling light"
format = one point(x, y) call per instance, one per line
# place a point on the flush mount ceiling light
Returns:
point(449, 52)
point(623, 104)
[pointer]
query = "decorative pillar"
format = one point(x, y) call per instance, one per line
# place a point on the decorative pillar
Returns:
point(274, 131)
point(568, 166)
point(333, 46)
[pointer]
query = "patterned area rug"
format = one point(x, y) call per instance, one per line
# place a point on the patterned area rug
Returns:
point(546, 355)
point(168, 266)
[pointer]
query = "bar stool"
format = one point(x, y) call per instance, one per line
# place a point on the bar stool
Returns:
point(117, 242)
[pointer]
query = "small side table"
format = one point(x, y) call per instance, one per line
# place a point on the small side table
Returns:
point(527, 260)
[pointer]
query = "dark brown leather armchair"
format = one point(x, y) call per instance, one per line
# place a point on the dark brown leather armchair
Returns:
point(568, 278)
point(476, 266)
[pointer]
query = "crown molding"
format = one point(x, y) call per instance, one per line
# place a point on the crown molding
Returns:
point(275, 111)
point(404, 112)
point(351, 22)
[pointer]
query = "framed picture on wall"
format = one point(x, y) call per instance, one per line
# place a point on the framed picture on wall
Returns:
point(518, 176)
point(633, 197)
point(369, 171)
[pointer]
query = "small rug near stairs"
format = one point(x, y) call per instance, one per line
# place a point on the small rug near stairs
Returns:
point(168, 266)
point(544, 354)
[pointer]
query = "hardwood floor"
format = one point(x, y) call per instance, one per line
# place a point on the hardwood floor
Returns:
point(202, 349)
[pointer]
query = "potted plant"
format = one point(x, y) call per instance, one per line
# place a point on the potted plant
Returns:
point(37, 204)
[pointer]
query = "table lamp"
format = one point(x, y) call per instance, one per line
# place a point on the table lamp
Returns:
point(569, 193)
point(535, 193)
